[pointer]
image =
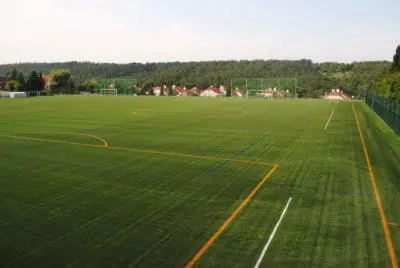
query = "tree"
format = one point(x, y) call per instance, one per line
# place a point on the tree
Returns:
point(62, 82)
point(21, 81)
point(13, 75)
point(15, 81)
point(354, 76)
point(388, 82)
point(42, 83)
point(88, 86)
point(396, 60)
point(12, 85)
point(34, 83)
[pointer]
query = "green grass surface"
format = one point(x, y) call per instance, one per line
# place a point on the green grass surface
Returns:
point(71, 205)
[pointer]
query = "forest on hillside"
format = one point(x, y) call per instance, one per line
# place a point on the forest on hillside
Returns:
point(313, 79)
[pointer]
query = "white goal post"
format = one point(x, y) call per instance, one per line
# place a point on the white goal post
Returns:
point(108, 92)
point(270, 93)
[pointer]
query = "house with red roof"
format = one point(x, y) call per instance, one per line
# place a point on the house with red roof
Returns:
point(194, 91)
point(183, 91)
point(158, 89)
point(46, 80)
point(213, 91)
point(271, 93)
point(179, 91)
point(238, 93)
point(336, 94)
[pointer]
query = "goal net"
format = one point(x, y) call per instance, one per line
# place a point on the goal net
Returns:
point(109, 92)
point(124, 86)
point(263, 87)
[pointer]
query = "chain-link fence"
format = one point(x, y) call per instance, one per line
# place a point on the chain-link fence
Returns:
point(283, 86)
point(387, 109)
point(123, 86)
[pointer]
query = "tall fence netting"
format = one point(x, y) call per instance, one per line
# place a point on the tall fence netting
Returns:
point(387, 109)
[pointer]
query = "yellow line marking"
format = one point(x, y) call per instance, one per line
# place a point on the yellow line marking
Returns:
point(77, 134)
point(105, 143)
point(140, 150)
point(87, 135)
point(191, 156)
point(221, 229)
point(389, 242)
point(52, 141)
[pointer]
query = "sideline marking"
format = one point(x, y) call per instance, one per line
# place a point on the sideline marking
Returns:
point(139, 150)
point(221, 229)
point(272, 234)
point(394, 224)
point(329, 119)
point(389, 242)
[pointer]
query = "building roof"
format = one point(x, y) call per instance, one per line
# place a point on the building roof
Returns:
point(46, 79)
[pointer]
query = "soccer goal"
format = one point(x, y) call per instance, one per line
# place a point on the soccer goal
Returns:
point(124, 86)
point(109, 92)
point(263, 87)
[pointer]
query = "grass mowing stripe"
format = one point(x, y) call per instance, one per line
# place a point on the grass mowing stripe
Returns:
point(86, 225)
point(230, 219)
point(329, 119)
point(192, 156)
point(272, 234)
point(135, 225)
point(384, 221)
point(69, 185)
point(141, 150)
point(244, 149)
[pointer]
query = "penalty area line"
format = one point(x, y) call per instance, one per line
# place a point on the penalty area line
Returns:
point(329, 119)
point(272, 234)
point(106, 145)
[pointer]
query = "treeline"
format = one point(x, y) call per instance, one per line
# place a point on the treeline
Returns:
point(388, 82)
point(313, 78)
point(61, 81)
point(18, 81)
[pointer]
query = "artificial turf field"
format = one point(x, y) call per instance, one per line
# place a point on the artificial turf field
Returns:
point(149, 182)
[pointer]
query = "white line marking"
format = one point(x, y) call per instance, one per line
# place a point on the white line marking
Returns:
point(272, 234)
point(329, 119)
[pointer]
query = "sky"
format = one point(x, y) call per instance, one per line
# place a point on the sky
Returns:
point(124, 31)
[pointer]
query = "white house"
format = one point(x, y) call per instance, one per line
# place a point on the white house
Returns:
point(213, 92)
point(336, 94)
point(157, 90)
